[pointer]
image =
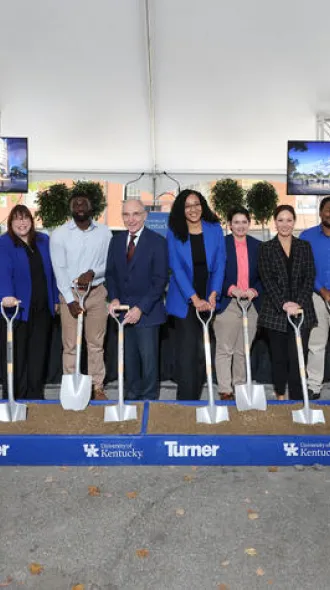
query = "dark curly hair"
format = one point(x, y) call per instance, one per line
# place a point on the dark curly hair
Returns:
point(177, 220)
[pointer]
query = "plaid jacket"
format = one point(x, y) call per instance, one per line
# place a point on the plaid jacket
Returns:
point(274, 276)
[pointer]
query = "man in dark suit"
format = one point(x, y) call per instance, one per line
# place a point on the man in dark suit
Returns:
point(136, 275)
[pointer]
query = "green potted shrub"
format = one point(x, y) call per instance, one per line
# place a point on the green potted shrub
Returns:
point(261, 201)
point(225, 195)
point(53, 202)
point(53, 205)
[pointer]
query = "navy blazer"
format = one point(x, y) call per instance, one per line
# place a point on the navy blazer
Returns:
point(143, 279)
point(15, 274)
point(182, 271)
point(230, 277)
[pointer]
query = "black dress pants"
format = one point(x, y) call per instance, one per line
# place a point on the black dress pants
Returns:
point(284, 360)
point(31, 341)
point(190, 371)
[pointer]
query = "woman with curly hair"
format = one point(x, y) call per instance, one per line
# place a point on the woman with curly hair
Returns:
point(197, 260)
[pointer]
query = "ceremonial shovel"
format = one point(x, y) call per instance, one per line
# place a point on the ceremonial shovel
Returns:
point(210, 414)
point(248, 396)
point(306, 415)
point(121, 411)
point(76, 389)
point(11, 411)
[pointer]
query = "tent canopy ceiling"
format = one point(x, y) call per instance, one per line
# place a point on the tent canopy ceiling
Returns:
point(231, 82)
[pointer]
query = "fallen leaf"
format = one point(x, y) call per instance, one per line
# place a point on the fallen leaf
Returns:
point(180, 512)
point(78, 587)
point(225, 563)
point(273, 469)
point(250, 551)
point(94, 491)
point(194, 468)
point(142, 553)
point(223, 587)
point(35, 569)
point(188, 478)
point(64, 468)
point(49, 479)
point(6, 582)
point(270, 582)
point(131, 495)
point(252, 515)
point(260, 571)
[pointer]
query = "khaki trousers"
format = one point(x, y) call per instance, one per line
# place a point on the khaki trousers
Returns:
point(317, 344)
point(95, 322)
point(229, 357)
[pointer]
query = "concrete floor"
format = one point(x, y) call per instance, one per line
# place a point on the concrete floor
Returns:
point(165, 528)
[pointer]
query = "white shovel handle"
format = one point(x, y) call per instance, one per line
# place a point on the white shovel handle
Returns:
point(119, 308)
point(245, 304)
point(207, 348)
point(120, 354)
point(81, 294)
point(301, 360)
point(10, 351)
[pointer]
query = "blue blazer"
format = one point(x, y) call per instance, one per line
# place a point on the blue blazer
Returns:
point(230, 277)
point(182, 273)
point(141, 281)
point(15, 275)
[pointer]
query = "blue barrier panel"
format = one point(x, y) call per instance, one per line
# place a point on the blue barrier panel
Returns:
point(155, 449)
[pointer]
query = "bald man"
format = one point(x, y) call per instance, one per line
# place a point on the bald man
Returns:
point(136, 275)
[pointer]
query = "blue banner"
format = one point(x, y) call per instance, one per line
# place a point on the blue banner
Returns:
point(157, 221)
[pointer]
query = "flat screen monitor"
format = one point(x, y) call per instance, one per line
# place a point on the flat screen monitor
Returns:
point(13, 165)
point(308, 170)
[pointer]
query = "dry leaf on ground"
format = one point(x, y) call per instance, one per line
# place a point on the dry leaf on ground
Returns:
point(6, 582)
point(78, 587)
point(194, 468)
point(142, 553)
point(223, 587)
point(64, 468)
point(49, 479)
point(94, 491)
point(225, 563)
point(131, 495)
point(35, 569)
point(252, 515)
point(260, 571)
point(188, 478)
point(180, 512)
point(251, 551)
point(273, 469)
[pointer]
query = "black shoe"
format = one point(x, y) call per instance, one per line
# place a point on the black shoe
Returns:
point(312, 395)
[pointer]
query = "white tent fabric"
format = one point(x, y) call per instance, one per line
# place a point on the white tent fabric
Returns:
point(231, 82)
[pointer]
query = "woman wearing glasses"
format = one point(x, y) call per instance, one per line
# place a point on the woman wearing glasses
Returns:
point(197, 260)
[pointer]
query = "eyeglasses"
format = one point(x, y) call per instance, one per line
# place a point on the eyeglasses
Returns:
point(193, 206)
point(135, 215)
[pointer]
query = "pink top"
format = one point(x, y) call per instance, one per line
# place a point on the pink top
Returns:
point(242, 267)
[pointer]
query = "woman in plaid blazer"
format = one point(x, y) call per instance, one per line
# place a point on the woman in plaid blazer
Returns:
point(287, 271)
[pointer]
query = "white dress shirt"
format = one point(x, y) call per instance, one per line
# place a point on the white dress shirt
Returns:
point(137, 237)
point(74, 251)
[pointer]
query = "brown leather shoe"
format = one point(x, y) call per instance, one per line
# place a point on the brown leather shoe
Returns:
point(226, 397)
point(99, 395)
